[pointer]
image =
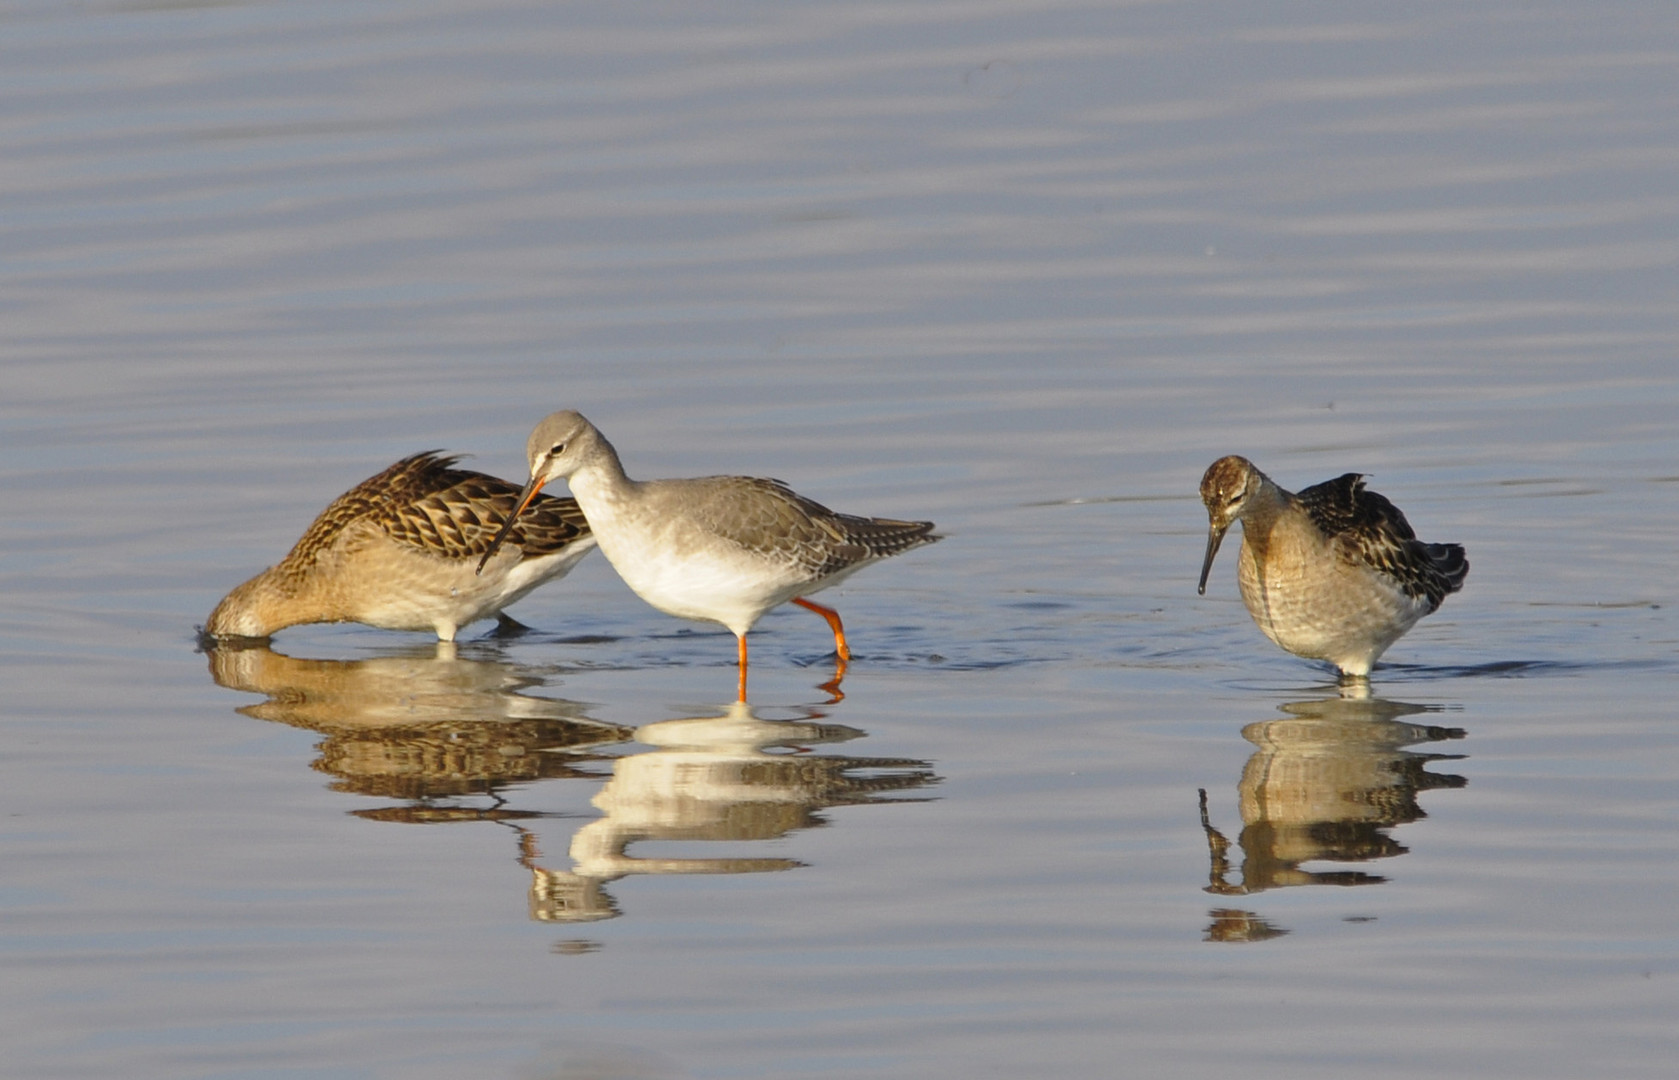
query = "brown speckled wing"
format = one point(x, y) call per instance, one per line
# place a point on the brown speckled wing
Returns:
point(455, 513)
point(1376, 529)
point(424, 502)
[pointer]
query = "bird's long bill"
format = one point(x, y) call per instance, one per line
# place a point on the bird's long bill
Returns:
point(533, 486)
point(1215, 536)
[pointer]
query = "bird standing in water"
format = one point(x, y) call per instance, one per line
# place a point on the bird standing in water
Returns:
point(722, 549)
point(1332, 572)
point(409, 549)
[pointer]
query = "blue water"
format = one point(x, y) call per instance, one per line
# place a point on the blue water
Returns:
point(1023, 270)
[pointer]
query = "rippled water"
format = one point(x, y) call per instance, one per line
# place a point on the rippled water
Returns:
point(1025, 269)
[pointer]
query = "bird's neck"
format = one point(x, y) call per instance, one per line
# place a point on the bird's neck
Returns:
point(599, 483)
point(276, 598)
point(1265, 503)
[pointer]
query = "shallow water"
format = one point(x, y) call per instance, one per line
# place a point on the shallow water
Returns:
point(1023, 269)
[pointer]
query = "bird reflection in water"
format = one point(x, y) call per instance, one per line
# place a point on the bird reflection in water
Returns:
point(728, 777)
point(1326, 784)
point(423, 724)
point(431, 727)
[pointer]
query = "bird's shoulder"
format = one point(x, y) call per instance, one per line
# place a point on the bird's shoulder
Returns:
point(1374, 533)
point(426, 504)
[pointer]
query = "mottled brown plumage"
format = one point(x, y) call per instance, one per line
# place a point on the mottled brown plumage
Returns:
point(1333, 573)
point(398, 551)
point(1368, 523)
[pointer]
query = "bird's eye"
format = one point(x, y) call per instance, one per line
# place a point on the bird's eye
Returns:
point(558, 447)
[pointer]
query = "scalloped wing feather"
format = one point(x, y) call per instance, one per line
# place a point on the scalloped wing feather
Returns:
point(425, 503)
point(1379, 537)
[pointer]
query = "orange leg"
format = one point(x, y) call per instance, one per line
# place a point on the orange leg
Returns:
point(742, 639)
point(833, 621)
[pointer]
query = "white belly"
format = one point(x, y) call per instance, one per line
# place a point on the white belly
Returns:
point(685, 571)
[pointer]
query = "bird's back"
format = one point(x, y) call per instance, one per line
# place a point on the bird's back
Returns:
point(767, 519)
point(422, 502)
point(1375, 533)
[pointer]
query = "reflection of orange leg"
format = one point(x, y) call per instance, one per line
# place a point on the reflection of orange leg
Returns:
point(832, 685)
point(742, 639)
point(833, 621)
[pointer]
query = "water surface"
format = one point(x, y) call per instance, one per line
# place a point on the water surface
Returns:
point(1023, 269)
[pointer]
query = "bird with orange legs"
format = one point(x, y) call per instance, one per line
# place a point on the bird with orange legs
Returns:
point(721, 549)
